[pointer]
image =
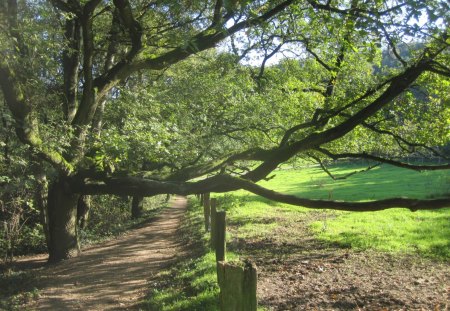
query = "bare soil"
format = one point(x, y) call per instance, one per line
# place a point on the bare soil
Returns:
point(113, 275)
point(299, 272)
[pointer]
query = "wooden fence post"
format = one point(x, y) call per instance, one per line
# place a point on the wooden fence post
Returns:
point(213, 223)
point(220, 236)
point(206, 210)
point(237, 284)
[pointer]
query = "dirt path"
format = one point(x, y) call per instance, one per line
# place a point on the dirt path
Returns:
point(115, 275)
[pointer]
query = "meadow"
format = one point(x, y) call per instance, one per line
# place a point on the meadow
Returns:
point(259, 228)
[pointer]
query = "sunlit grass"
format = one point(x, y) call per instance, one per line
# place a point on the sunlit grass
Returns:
point(426, 233)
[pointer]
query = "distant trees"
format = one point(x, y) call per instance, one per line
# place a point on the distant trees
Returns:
point(108, 100)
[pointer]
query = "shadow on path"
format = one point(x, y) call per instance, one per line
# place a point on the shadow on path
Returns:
point(114, 275)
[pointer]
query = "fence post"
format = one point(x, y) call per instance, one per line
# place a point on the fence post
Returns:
point(206, 210)
point(220, 235)
point(237, 284)
point(213, 223)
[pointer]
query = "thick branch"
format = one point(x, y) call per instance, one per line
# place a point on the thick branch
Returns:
point(71, 58)
point(222, 183)
point(25, 123)
point(133, 27)
point(314, 140)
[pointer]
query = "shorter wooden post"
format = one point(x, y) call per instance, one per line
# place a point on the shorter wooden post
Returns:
point(213, 223)
point(220, 235)
point(237, 282)
point(206, 210)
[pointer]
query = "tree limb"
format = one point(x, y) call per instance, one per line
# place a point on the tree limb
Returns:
point(224, 183)
point(384, 160)
point(327, 171)
point(25, 123)
point(203, 40)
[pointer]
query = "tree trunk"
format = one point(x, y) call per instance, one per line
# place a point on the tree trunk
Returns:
point(83, 208)
point(137, 207)
point(40, 193)
point(62, 216)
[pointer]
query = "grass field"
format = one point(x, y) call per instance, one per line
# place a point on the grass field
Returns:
point(191, 285)
point(396, 230)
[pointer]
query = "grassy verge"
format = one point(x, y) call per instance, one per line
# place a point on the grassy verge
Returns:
point(192, 283)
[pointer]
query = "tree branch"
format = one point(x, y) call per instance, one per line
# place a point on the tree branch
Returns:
point(71, 58)
point(397, 85)
point(203, 40)
point(25, 123)
point(224, 183)
point(384, 160)
point(327, 171)
point(399, 139)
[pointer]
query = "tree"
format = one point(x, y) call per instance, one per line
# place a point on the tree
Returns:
point(67, 63)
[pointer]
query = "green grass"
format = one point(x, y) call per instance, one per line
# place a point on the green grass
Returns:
point(426, 233)
point(192, 283)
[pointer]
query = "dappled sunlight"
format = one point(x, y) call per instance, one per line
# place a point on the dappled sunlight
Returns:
point(113, 275)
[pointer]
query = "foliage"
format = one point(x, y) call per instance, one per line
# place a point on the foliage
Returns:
point(18, 289)
point(109, 216)
point(129, 98)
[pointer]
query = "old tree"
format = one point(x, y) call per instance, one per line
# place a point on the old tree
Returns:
point(129, 97)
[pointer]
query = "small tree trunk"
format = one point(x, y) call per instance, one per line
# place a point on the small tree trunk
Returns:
point(40, 194)
point(62, 216)
point(137, 207)
point(40, 197)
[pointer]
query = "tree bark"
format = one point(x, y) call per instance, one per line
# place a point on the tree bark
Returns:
point(62, 216)
point(137, 207)
point(83, 208)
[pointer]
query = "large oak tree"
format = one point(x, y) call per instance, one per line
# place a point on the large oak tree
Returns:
point(67, 66)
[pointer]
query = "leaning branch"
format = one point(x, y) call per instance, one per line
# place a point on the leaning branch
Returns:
point(396, 86)
point(223, 183)
point(371, 206)
point(25, 124)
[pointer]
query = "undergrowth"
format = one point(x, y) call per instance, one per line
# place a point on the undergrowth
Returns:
point(110, 216)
